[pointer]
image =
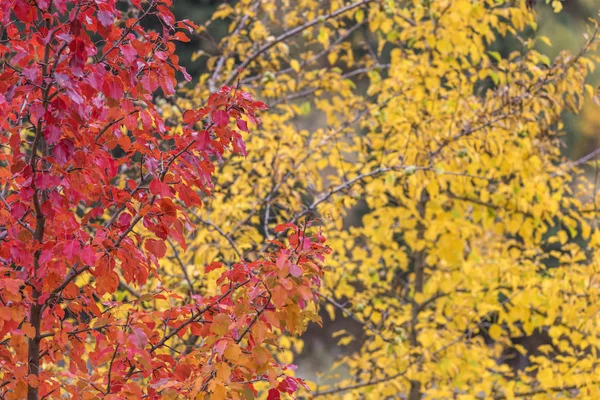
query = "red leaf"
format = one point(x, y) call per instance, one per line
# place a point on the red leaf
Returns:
point(124, 220)
point(167, 85)
point(189, 116)
point(166, 15)
point(63, 151)
point(186, 76)
point(168, 207)
point(242, 125)
point(63, 80)
point(96, 79)
point(75, 27)
point(288, 385)
point(17, 210)
point(276, 242)
point(31, 73)
point(159, 188)
point(295, 270)
point(239, 146)
point(88, 255)
point(183, 371)
point(220, 118)
point(156, 247)
point(281, 260)
point(220, 346)
point(52, 134)
point(107, 283)
point(138, 338)
point(78, 60)
point(113, 88)
point(129, 52)
point(22, 10)
point(72, 249)
point(181, 37)
point(203, 140)
point(73, 95)
point(196, 328)
point(106, 18)
point(260, 105)
point(283, 227)
point(213, 266)
point(273, 395)
point(36, 111)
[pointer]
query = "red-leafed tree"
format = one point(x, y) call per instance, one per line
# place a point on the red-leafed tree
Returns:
point(93, 183)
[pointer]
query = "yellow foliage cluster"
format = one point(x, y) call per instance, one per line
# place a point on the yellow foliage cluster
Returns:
point(432, 164)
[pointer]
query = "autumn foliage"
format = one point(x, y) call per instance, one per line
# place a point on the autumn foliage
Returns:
point(427, 137)
point(94, 185)
point(165, 239)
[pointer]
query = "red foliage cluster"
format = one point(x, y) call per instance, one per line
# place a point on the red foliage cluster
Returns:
point(84, 158)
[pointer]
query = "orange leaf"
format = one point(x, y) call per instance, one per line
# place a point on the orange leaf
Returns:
point(28, 330)
point(168, 207)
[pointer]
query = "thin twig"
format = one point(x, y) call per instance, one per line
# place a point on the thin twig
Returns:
point(182, 266)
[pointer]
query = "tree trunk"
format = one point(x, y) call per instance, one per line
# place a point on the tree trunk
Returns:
point(415, 385)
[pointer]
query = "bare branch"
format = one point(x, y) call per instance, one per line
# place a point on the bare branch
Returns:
point(182, 266)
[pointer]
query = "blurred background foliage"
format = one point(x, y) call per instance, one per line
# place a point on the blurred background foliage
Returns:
point(565, 30)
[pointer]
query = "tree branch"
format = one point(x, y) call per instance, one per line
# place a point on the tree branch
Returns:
point(292, 32)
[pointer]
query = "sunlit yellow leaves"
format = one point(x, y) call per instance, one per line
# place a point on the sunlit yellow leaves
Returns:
point(458, 150)
point(557, 5)
point(223, 11)
point(295, 65)
point(495, 332)
point(359, 15)
point(323, 37)
point(258, 32)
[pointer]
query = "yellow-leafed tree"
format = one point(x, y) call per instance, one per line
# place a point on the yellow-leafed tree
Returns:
point(432, 162)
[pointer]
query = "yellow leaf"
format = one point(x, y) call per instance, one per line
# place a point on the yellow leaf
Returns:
point(323, 37)
point(563, 237)
point(495, 331)
point(359, 15)
point(346, 340)
point(545, 40)
point(219, 392)
point(223, 371)
point(557, 6)
point(232, 352)
point(332, 58)
point(589, 89)
point(295, 65)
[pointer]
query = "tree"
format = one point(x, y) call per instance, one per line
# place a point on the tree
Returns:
point(433, 165)
point(94, 186)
